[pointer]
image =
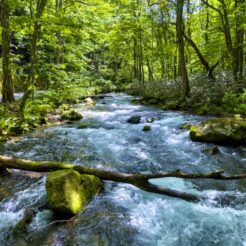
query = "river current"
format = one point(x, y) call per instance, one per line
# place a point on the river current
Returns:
point(122, 214)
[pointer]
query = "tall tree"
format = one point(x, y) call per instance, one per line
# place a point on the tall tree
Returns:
point(209, 68)
point(7, 86)
point(33, 54)
point(180, 38)
point(234, 48)
point(59, 4)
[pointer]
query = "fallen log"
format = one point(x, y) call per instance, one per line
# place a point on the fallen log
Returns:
point(139, 180)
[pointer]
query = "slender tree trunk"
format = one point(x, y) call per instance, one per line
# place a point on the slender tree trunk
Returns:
point(209, 69)
point(33, 56)
point(141, 60)
point(150, 71)
point(175, 66)
point(135, 59)
point(180, 33)
point(59, 4)
point(7, 86)
point(234, 50)
point(207, 23)
point(239, 41)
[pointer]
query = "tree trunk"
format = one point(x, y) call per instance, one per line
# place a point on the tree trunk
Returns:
point(139, 180)
point(58, 61)
point(33, 57)
point(209, 69)
point(235, 50)
point(180, 33)
point(150, 69)
point(7, 86)
point(239, 41)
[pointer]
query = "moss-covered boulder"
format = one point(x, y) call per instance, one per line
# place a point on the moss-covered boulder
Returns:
point(147, 128)
point(71, 115)
point(68, 191)
point(221, 131)
point(134, 119)
point(83, 125)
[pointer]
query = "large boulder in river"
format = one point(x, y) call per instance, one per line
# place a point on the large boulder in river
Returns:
point(134, 120)
point(68, 191)
point(221, 131)
point(71, 115)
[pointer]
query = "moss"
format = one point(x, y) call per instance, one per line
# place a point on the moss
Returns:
point(147, 128)
point(221, 130)
point(71, 116)
point(21, 226)
point(185, 126)
point(68, 191)
point(83, 125)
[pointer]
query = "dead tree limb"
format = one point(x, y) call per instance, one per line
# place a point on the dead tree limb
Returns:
point(139, 180)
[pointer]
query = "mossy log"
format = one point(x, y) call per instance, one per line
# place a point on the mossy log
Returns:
point(139, 180)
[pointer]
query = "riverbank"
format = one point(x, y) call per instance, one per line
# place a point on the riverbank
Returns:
point(206, 97)
point(44, 109)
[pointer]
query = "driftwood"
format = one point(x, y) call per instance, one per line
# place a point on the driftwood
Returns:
point(139, 180)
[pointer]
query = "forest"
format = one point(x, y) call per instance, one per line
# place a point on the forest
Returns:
point(122, 122)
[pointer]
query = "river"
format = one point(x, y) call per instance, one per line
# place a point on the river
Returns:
point(122, 214)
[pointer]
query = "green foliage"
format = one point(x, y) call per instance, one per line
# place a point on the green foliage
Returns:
point(126, 45)
point(235, 103)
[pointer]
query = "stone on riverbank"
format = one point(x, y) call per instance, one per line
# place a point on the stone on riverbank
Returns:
point(71, 115)
point(68, 191)
point(221, 131)
point(89, 101)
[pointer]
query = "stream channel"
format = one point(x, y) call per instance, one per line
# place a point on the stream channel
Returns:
point(122, 214)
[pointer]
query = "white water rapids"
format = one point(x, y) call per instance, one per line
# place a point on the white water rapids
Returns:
point(122, 214)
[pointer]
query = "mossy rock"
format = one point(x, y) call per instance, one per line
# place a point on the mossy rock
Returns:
point(71, 115)
point(83, 125)
point(147, 128)
point(224, 131)
point(185, 126)
point(134, 120)
point(22, 224)
point(68, 191)
point(150, 120)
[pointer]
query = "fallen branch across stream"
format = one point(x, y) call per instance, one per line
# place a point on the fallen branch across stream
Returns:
point(139, 180)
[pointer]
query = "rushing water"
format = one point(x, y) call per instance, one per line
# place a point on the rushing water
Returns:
point(123, 214)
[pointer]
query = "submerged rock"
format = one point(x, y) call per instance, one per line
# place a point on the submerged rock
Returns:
point(83, 125)
point(134, 120)
point(21, 226)
point(221, 131)
point(214, 150)
point(147, 128)
point(150, 120)
point(71, 115)
point(68, 191)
